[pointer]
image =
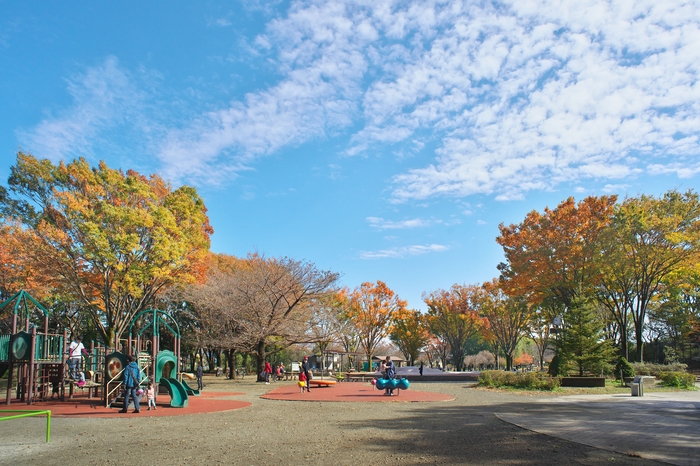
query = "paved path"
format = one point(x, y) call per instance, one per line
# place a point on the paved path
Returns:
point(663, 426)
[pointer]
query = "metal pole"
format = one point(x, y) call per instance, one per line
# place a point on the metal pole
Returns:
point(31, 368)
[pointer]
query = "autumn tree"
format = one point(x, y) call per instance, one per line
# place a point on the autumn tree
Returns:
point(555, 254)
point(410, 333)
point(110, 240)
point(326, 321)
point(539, 333)
point(553, 258)
point(209, 317)
point(652, 242)
point(454, 318)
point(373, 308)
point(272, 299)
point(508, 318)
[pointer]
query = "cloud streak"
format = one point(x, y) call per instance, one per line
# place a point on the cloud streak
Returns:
point(104, 96)
point(404, 251)
point(381, 224)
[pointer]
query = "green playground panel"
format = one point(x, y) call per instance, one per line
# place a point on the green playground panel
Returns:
point(48, 347)
point(4, 347)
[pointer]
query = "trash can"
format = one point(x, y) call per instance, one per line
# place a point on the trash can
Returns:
point(638, 386)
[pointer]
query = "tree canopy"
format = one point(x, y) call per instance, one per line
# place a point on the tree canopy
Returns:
point(108, 239)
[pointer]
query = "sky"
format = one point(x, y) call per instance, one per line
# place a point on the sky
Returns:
point(383, 140)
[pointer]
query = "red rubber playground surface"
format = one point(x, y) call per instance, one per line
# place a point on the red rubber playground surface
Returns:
point(353, 392)
point(208, 402)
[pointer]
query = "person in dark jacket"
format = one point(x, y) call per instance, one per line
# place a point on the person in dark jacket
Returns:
point(132, 380)
point(305, 370)
point(389, 374)
point(200, 374)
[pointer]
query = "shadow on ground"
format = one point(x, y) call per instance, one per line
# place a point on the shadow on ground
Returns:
point(463, 435)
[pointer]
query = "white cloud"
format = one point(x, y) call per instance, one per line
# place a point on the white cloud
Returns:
point(496, 98)
point(381, 224)
point(400, 252)
point(104, 96)
point(615, 188)
point(552, 94)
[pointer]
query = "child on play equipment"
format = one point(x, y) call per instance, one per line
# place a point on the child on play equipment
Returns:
point(302, 382)
point(151, 396)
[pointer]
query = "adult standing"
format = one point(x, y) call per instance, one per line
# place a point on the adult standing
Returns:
point(390, 373)
point(75, 355)
point(420, 369)
point(200, 374)
point(132, 380)
point(305, 370)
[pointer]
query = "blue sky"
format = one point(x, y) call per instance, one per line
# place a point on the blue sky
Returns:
point(382, 140)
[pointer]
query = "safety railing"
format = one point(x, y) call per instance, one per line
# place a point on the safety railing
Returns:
point(49, 347)
point(109, 393)
point(26, 413)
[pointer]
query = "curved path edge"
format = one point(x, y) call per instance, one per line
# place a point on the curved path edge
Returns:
point(662, 429)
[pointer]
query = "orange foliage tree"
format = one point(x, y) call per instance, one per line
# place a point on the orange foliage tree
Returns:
point(109, 240)
point(554, 256)
point(410, 333)
point(454, 318)
point(373, 308)
point(524, 359)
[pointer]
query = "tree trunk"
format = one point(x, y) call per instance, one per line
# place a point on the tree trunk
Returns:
point(509, 361)
point(640, 344)
point(261, 358)
point(231, 364)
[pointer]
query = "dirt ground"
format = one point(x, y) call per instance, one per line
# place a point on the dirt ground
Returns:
point(269, 432)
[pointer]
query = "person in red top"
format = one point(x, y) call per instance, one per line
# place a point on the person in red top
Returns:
point(268, 371)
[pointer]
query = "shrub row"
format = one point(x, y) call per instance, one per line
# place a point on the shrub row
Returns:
point(643, 368)
point(678, 380)
point(526, 380)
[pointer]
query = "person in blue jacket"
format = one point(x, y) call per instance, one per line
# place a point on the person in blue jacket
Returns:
point(132, 380)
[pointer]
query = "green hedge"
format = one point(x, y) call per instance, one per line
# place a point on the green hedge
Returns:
point(524, 380)
point(644, 368)
point(678, 380)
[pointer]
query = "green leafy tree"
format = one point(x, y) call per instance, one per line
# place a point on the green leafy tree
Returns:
point(583, 344)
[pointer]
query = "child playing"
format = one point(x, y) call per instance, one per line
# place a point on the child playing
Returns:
point(151, 396)
point(302, 382)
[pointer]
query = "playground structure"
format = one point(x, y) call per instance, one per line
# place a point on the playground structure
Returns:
point(162, 367)
point(36, 361)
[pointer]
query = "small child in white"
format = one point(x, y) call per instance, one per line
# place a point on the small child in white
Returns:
point(151, 396)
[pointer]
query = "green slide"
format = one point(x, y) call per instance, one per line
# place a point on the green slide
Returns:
point(178, 394)
point(190, 390)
